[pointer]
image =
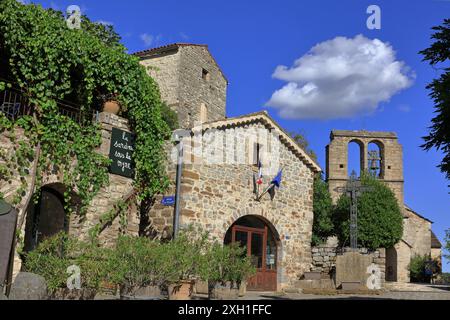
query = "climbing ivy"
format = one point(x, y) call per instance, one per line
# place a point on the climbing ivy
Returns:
point(50, 63)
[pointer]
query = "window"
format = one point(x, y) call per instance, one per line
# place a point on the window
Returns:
point(257, 153)
point(205, 74)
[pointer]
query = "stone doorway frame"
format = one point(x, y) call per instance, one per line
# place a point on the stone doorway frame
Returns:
point(276, 237)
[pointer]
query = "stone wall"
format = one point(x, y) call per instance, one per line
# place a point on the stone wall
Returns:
point(391, 154)
point(79, 226)
point(178, 71)
point(324, 259)
point(417, 233)
point(214, 196)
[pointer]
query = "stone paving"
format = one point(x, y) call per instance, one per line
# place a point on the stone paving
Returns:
point(407, 291)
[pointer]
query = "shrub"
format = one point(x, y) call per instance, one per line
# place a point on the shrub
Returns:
point(182, 256)
point(54, 255)
point(135, 262)
point(322, 206)
point(229, 263)
point(380, 222)
point(418, 266)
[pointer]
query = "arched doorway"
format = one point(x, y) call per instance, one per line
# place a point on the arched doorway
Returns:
point(261, 240)
point(391, 264)
point(47, 217)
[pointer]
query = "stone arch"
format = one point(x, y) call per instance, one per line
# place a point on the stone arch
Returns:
point(260, 236)
point(391, 264)
point(362, 156)
point(377, 145)
point(48, 216)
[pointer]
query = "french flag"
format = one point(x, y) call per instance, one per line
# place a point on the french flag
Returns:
point(259, 180)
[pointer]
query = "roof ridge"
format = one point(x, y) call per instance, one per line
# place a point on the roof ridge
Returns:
point(167, 46)
point(263, 113)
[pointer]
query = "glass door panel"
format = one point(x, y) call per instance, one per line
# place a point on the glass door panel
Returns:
point(257, 249)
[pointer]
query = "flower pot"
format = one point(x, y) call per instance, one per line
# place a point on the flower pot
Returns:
point(181, 290)
point(142, 293)
point(226, 291)
point(243, 289)
point(108, 288)
point(111, 107)
point(201, 287)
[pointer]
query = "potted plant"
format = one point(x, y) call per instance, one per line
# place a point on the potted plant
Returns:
point(226, 269)
point(110, 103)
point(182, 258)
point(136, 266)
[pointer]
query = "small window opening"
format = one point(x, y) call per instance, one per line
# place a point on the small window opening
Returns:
point(205, 74)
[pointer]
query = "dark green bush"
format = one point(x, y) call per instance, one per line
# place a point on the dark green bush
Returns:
point(136, 262)
point(323, 208)
point(380, 222)
point(227, 263)
point(418, 266)
point(54, 255)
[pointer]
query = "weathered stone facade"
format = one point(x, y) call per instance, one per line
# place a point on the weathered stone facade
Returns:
point(214, 196)
point(190, 81)
point(324, 259)
point(391, 171)
point(108, 196)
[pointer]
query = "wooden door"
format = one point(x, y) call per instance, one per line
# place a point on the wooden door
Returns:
point(255, 241)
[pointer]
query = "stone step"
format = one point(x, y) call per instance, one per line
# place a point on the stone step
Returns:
point(315, 284)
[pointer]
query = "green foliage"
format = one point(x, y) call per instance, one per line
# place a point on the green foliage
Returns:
point(135, 263)
point(182, 255)
point(229, 263)
point(418, 266)
point(437, 54)
point(169, 116)
point(323, 226)
point(380, 222)
point(54, 255)
point(49, 62)
point(301, 140)
point(445, 278)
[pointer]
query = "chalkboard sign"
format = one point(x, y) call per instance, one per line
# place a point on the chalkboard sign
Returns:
point(121, 153)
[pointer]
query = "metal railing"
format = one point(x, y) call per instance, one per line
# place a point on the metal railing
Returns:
point(15, 103)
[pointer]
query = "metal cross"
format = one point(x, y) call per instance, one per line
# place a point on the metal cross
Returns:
point(354, 189)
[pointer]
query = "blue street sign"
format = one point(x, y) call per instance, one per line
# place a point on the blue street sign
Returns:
point(168, 201)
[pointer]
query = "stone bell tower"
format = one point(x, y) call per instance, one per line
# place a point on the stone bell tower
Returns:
point(390, 159)
point(190, 80)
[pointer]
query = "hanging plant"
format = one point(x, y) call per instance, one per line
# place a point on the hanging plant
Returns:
point(50, 62)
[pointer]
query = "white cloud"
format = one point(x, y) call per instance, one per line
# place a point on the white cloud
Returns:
point(340, 78)
point(150, 40)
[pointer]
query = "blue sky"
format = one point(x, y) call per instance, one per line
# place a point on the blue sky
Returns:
point(249, 39)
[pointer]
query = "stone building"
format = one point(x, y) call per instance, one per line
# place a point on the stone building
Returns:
point(37, 221)
point(387, 162)
point(190, 81)
point(220, 161)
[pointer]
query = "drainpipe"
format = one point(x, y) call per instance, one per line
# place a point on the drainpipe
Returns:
point(178, 136)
